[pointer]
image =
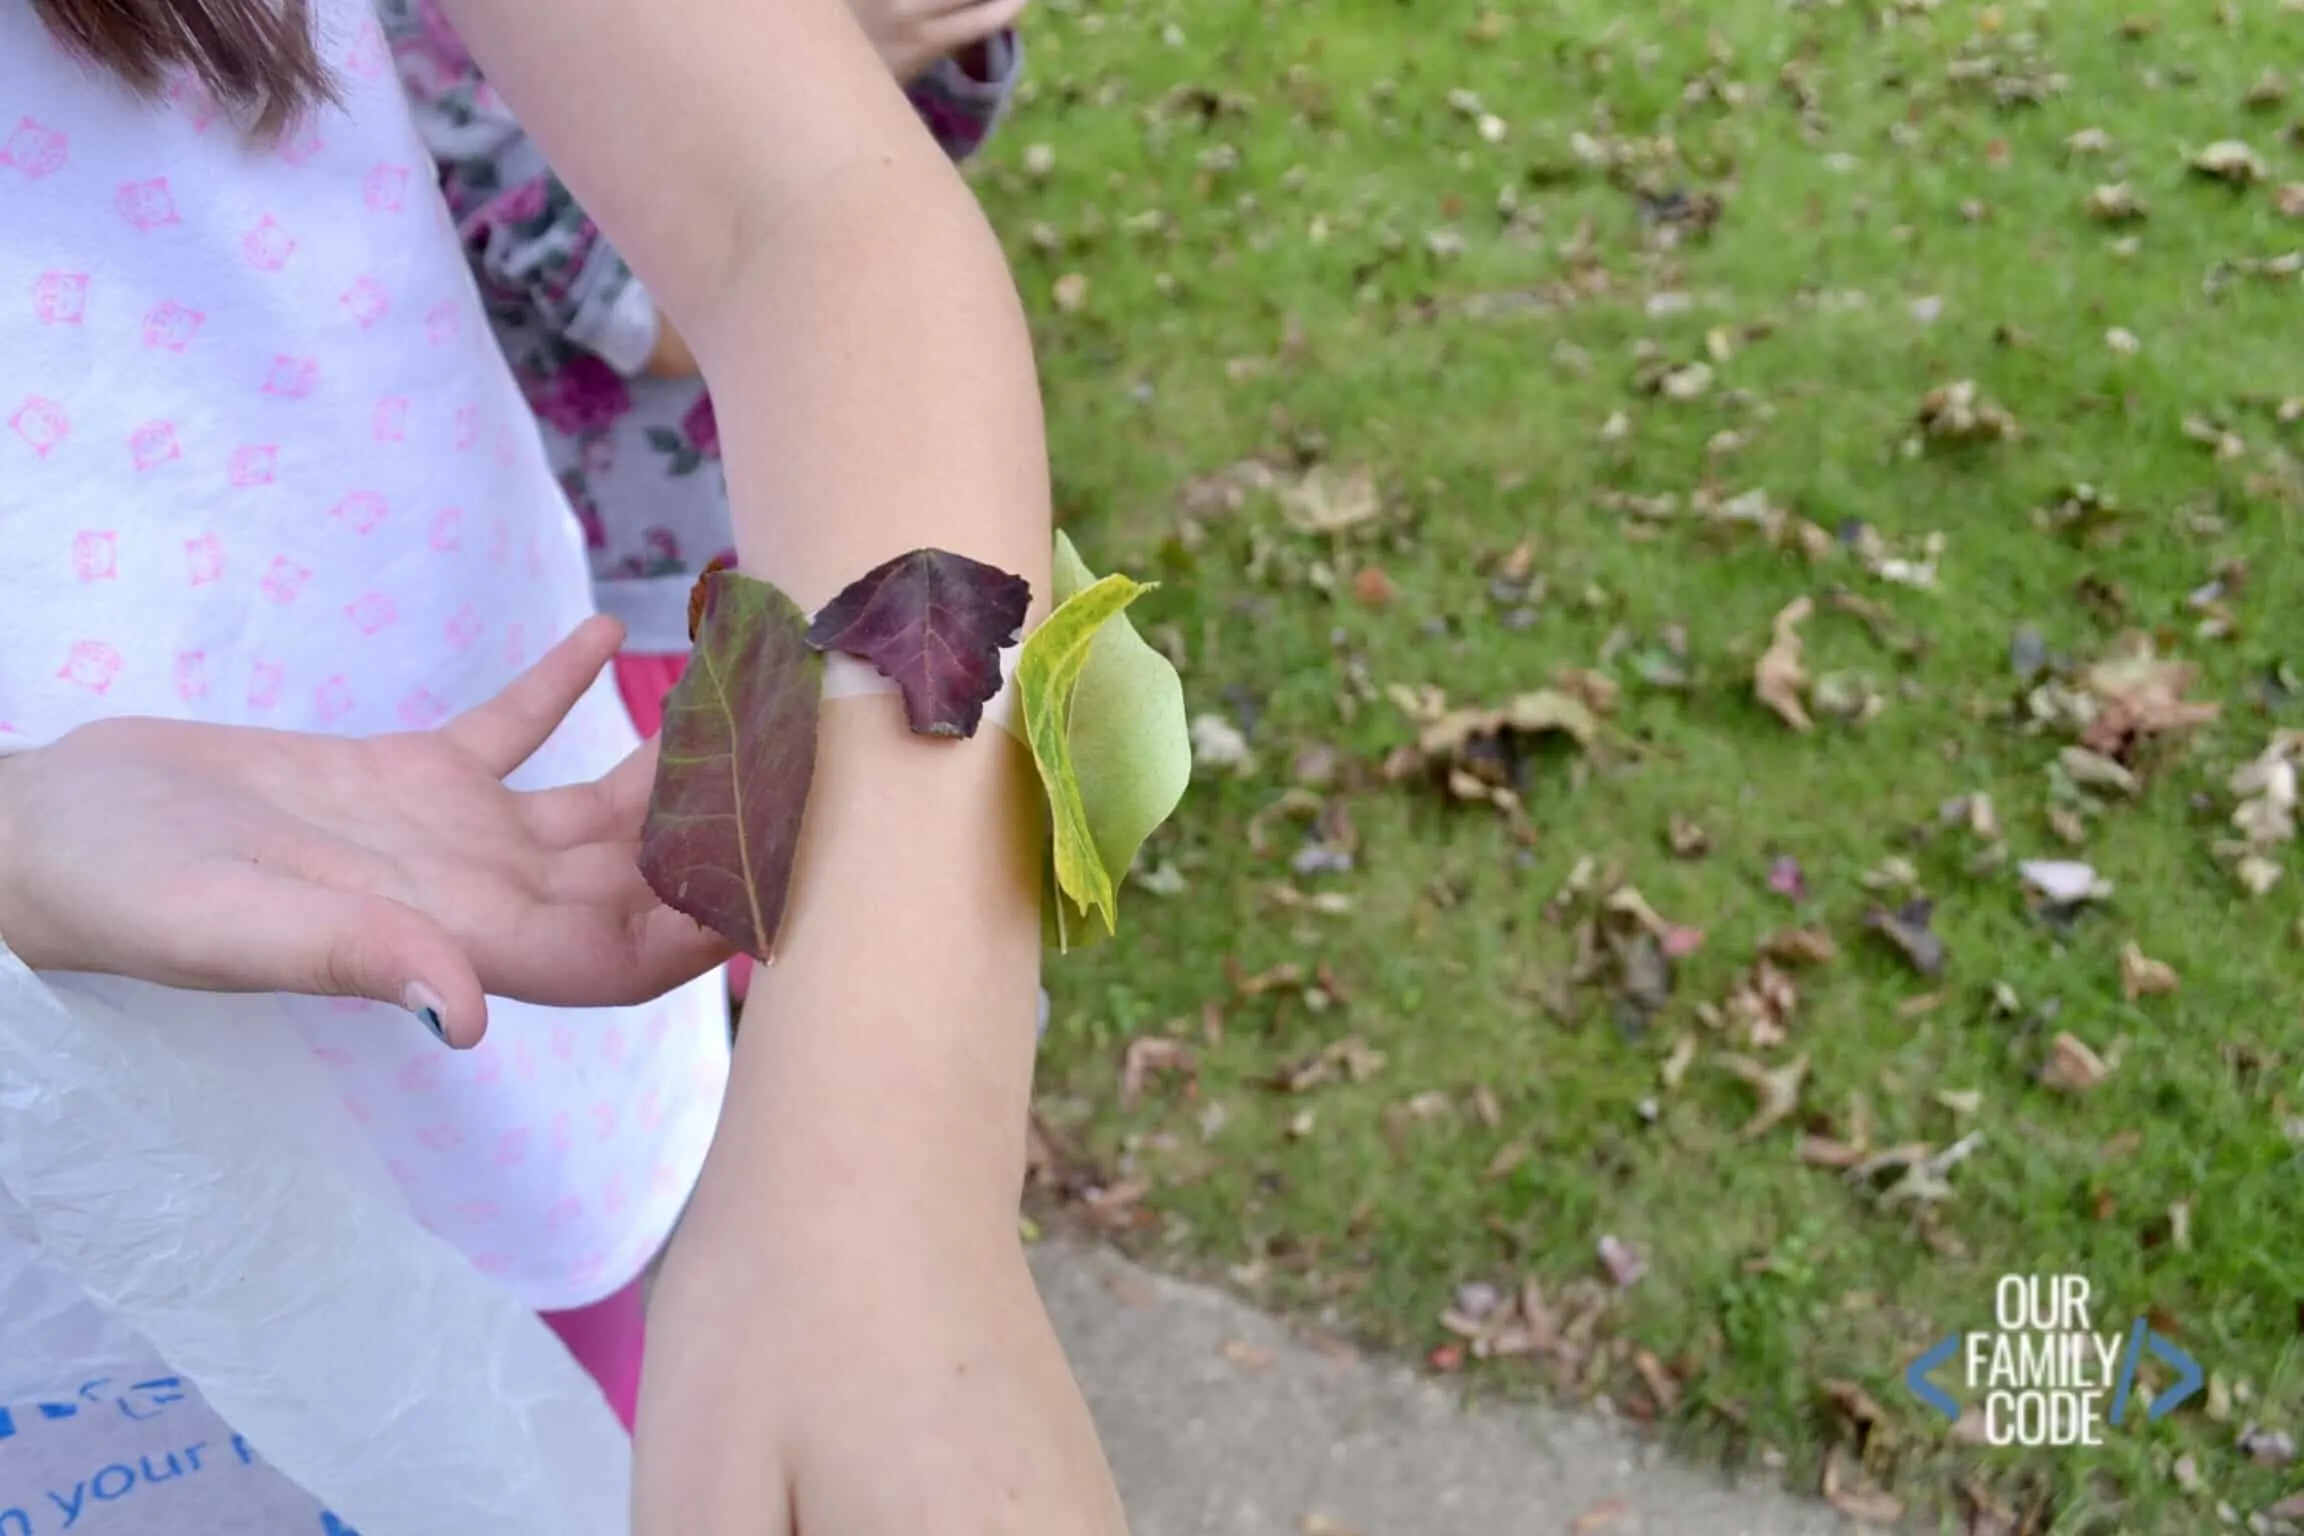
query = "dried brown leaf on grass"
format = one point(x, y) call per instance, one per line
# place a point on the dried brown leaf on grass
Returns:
point(2139, 695)
point(1623, 1262)
point(1960, 413)
point(2231, 162)
point(1350, 1059)
point(1778, 678)
point(2073, 1066)
point(1777, 1090)
point(1848, 1491)
point(1147, 1056)
point(1327, 500)
point(2143, 976)
point(2116, 203)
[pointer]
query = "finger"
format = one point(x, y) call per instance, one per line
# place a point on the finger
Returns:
point(971, 23)
point(590, 955)
point(505, 732)
point(287, 935)
point(604, 875)
point(956, 10)
point(609, 809)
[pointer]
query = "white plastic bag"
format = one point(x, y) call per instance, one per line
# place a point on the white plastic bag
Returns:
point(175, 1178)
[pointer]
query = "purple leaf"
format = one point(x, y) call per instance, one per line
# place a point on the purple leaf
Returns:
point(738, 755)
point(1785, 879)
point(934, 622)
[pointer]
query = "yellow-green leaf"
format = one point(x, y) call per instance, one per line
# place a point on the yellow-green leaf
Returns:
point(1130, 745)
point(1047, 677)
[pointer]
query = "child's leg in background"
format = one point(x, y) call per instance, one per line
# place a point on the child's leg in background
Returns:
point(607, 1339)
point(644, 681)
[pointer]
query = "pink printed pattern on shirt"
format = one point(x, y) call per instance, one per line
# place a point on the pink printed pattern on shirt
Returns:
point(34, 149)
point(42, 424)
point(204, 559)
point(148, 204)
point(170, 326)
point(233, 387)
point(254, 464)
point(60, 298)
point(92, 664)
point(154, 444)
point(96, 555)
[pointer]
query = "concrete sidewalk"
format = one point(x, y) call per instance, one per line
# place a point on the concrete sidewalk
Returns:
point(1220, 1423)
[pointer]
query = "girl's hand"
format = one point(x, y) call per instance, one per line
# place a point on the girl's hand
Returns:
point(400, 868)
point(919, 1390)
point(910, 35)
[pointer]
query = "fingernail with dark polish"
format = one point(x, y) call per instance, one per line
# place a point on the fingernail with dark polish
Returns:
point(423, 1002)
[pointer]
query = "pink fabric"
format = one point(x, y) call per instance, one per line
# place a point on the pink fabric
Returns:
point(608, 1338)
point(645, 680)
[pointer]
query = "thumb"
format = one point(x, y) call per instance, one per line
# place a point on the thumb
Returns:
point(330, 943)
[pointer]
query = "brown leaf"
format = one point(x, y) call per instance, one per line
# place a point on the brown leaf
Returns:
point(1960, 413)
point(1349, 1059)
point(2143, 976)
point(1508, 1157)
point(1149, 1054)
point(1247, 1356)
point(1778, 678)
point(2289, 1508)
point(1622, 1261)
point(2141, 695)
point(1599, 1517)
point(1858, 1500)
point(2096, 771)
point(1824, 1152)
point(1687, 840)
point(2230, 161)
point(1328, 500)
point(1800, 946)
point(2071, 1066)
point(1856, 1405)
point(1130, 1292)
point(1372, 588)
point(2116, 203)
point(1658, 1381)
point(1777, 1089)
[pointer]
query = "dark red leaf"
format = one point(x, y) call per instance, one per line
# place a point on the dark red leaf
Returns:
point(934, 622)
point(738, 755)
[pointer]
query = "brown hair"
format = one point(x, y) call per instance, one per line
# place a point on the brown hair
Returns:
point(258, 57)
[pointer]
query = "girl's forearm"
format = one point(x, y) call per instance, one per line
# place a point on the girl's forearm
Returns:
point(873, 376)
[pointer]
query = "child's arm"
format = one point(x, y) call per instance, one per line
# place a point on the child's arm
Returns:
point(845, 1333)
point(534, 248)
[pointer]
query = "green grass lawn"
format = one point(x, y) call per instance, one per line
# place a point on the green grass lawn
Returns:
point(1607, 332)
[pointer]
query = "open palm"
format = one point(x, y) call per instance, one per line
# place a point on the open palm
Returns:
point(226, 858)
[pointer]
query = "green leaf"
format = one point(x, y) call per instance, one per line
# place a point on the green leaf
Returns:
point(737, 761)
point(665, 440)
point(1104, 713)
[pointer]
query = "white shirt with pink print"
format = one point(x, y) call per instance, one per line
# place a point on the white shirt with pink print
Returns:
point(262, 463)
